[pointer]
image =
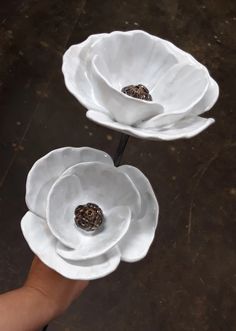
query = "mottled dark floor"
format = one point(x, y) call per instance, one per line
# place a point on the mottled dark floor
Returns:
point(188, 280)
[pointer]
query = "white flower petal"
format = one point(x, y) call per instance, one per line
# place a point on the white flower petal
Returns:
point(208, 100)
point(181, 87)
point(90, 245)
point(104, 185)
point(91, 182)
point(85, 82)
point(122, 107)
point(76, 72)
point(185, 128)
point(43, 244)
point(63, 198)
point(105, 120)
point(134, 57)
point(47, 169)
point(163, 120)
point(135, 244)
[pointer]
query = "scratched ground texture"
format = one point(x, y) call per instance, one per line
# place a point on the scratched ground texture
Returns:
point(188, 280)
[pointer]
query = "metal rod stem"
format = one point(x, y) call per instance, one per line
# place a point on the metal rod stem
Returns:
point(45, 328)
point(120, 149)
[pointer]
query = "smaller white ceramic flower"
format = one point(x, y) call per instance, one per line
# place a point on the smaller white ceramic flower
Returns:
point(181, 88)
point(70, 177)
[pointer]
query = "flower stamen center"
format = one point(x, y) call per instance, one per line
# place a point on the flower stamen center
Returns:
point(88, 217)
point(137, 91)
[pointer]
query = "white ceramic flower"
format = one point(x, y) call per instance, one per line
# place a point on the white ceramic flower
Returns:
point(70, 177)
point(97, 69)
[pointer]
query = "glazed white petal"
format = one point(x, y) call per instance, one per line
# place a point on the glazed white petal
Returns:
point(105, 120)
point(65, 195)
point(208, 100)
point(47, 170)
point(185, 128)
point(181, 87)
point(105, 186)
point(96, 183)
point(134, 57)
point(76, 63)
point(43, 244)
point(90, 245)
point(136, 243)
point(163, 120)
point(123, 108)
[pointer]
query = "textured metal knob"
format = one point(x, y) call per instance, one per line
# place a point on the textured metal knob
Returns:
point(88, 217)
point(137, 91)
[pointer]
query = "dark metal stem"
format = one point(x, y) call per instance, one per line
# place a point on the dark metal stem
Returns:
point(45, 328)
point(120, 149)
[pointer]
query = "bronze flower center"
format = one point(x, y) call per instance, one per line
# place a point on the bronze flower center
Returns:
point(88, 217)
point(137, 91)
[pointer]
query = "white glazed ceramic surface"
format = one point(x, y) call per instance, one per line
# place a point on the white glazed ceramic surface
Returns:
point(97, 69)
point(68, 177)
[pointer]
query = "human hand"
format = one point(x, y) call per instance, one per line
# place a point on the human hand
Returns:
point(58, 291)
point(44, 296)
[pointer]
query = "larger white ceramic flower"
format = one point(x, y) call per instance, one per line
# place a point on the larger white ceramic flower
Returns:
point(97, 69)
point(68, 177)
